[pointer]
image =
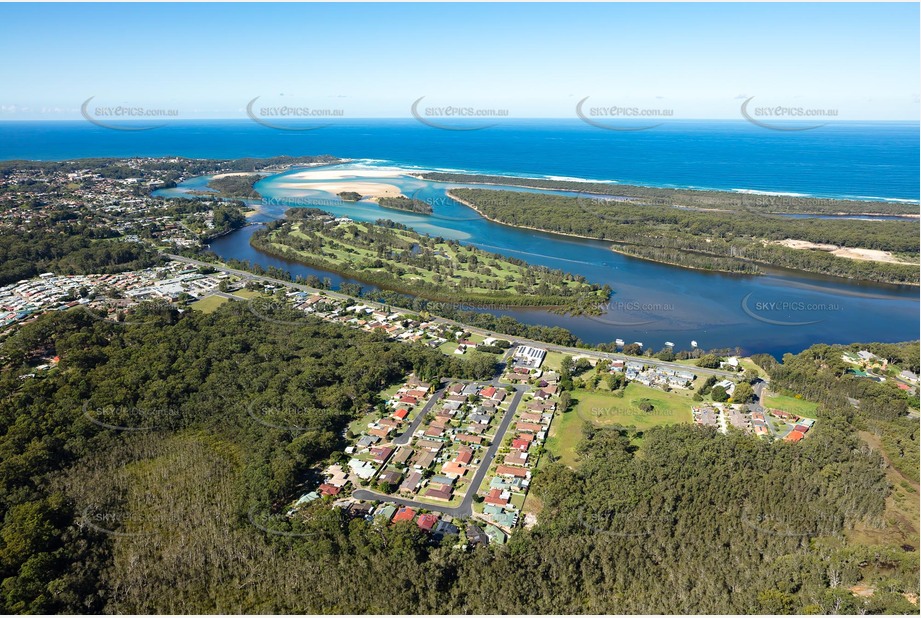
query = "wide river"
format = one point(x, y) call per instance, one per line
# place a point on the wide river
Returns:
point(777, 312)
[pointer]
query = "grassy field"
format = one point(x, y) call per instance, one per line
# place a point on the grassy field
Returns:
point(792, 405)
point(552, 361)
point(603, 408)
point(209, 304)
point(248, 293)
point(565, 435)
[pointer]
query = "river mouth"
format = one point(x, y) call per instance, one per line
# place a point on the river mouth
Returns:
point(778, 312)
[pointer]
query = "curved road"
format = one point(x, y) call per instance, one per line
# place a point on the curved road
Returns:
point(465, 509)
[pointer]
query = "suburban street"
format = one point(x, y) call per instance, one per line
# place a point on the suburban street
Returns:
point(465, 509)
point(404, 438)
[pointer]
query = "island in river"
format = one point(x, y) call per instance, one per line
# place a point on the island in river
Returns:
point(392, 256)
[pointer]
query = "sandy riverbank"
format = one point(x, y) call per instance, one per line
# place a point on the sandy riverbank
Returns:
point(365, 189)
point(851, 253)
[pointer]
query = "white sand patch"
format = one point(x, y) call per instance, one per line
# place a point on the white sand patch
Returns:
point(225, 175)
point(366, 189)
point(851, 253)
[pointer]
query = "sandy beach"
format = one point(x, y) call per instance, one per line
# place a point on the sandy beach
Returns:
point(366, 189)
point(226, 174)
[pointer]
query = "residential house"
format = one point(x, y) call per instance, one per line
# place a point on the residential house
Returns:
point(380, 454)
point(513, 471)
point(521, 445)
point(411, 483)
point(497, 497)
point(516, 458)
point(326, 489)
point(423, 459)
point(452, 468)
point(427, 521)
point(404, 513)
point(385, 512)
point(439, 493)
point(391, 477)
point(476, 536)
point(495, 535)
point(401, 414)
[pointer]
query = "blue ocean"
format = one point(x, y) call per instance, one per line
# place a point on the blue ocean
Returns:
point(862, 160)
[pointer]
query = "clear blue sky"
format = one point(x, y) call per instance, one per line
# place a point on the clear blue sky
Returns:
point(535, 60)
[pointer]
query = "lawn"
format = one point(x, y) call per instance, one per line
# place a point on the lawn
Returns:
point(565, 435)
point(552, 361)
point(792, 405)
point(247, 293)
point(209, 304)
point(603, 408)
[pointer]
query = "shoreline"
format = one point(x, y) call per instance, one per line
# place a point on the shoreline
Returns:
point(611, 248)
point(780, 196)
point(694, 268)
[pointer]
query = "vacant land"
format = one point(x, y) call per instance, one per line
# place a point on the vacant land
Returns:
point(605, 409)
point(900, 519)
point(209, 304)
point(248, 294)
point(792, 405)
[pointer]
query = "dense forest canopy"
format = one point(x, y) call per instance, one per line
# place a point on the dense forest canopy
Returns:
point(68, 247)
point(708, 239)
point(184, 515)
point(236, 185)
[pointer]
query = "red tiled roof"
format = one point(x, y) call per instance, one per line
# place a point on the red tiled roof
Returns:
point(794, 436)
point(512, 471)
point(328, 490)
point(521, 445)
point(427, 521)
point(404, 514)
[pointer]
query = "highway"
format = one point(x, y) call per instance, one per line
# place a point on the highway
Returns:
point(473, 329)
